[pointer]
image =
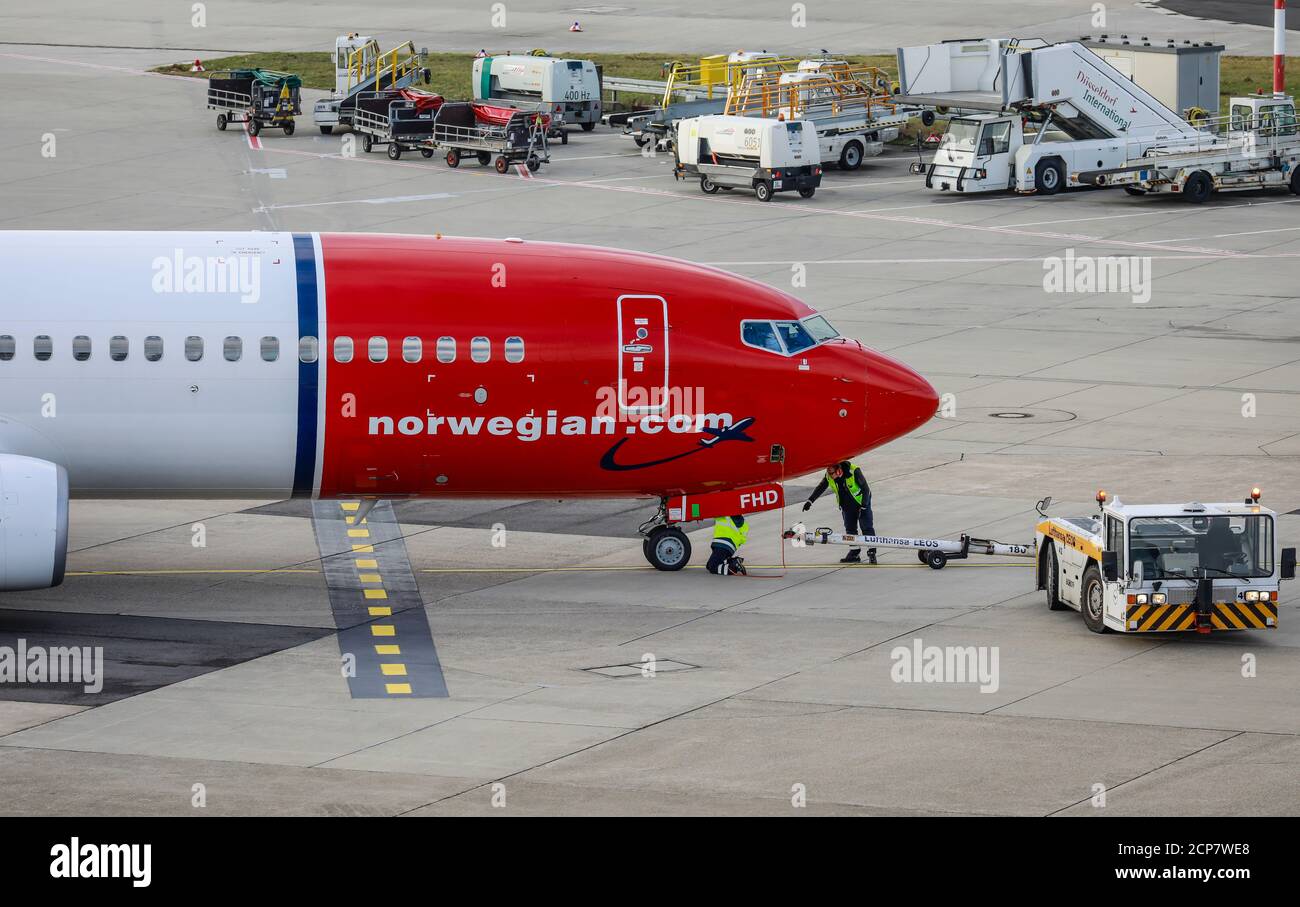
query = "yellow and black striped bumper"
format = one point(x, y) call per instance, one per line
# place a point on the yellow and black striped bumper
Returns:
point(1224, 616)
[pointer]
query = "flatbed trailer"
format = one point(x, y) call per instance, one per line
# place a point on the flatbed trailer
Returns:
point(1257, 146)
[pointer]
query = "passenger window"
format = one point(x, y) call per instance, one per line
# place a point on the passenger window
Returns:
point(7, 347)
point(514, 349)
point(232, 348)
point(81, 348)
point(270, 349)
point(43, 347)
point(342, 349)
point(446, 349)
point(378, 349)
point(193, 348)
point(412, 349)
point(760, 334)
point(308, 349)
point(118, 347)
point(153, 348)
point(480, 349)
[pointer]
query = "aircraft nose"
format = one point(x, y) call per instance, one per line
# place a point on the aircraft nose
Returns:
point(898, 399)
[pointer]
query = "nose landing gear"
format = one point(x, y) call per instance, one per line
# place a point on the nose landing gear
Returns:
point(665, 547)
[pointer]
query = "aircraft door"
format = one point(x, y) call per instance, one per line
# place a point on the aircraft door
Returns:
point(642, 355)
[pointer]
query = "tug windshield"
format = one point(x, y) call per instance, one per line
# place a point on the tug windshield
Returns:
point(1174, 547)
point(961, 136)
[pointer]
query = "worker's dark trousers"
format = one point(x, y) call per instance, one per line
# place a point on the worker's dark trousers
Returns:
point(859, 520)
point(718, 558)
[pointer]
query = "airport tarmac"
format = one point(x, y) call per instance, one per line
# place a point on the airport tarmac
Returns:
point(223, 661)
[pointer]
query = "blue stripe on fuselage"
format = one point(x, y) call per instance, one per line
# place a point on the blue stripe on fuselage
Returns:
point(304, 472)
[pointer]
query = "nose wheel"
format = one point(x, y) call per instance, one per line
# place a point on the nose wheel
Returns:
point(667, 548)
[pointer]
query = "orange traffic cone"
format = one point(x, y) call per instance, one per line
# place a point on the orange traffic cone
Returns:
point(197, 67)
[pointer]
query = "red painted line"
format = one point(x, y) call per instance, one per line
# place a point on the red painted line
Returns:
point(523, 172)
point(253, 141)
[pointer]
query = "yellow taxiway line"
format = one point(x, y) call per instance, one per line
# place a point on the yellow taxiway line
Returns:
point(602, 569)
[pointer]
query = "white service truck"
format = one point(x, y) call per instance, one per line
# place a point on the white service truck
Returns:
point(737, 152)
point(1257, 146)
point(1042, 113)
point(567, 90)
point(1159, 568)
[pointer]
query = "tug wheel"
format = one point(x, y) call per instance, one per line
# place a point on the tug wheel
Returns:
point(936, 559)
point(453, 157)
point(289, 126)
point(221, 122)
point(1093, 599)
point(667, 548)
point(501, 165)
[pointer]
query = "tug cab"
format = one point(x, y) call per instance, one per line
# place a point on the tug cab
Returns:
point(1159, 568)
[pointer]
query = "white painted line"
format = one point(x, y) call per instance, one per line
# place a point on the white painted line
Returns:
point(775, 262)
point(390, 200)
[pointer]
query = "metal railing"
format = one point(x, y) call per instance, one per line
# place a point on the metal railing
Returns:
point(834, 91)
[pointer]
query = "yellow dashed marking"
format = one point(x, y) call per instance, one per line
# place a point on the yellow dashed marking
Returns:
point(367, 564)
point(388, 650)
point(375, 593)
point(383, 630)
point(370, 578)
point(370, 549)
point(378, 611)
point(358, 533)
point(393, 670)
point(397, 688)
point(353, 505)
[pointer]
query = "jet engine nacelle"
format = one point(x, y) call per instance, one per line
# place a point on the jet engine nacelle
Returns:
point(33, 523)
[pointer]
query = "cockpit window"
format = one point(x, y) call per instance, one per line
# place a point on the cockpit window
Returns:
point(795, 335)
point(760, 334)
point(820, 328)
point(787, 338)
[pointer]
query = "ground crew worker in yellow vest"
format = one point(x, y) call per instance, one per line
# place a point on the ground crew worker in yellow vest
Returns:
point(729, 533)
point(854, 497)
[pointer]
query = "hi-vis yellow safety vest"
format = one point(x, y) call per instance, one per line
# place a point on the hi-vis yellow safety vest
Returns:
point(725, 530)
point(851, 483)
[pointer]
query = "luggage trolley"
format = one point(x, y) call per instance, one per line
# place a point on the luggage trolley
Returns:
point(258, 97)
point(400, 118)
point(496, 135)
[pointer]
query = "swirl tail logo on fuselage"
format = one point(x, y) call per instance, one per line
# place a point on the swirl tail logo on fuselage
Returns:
point(715, 437)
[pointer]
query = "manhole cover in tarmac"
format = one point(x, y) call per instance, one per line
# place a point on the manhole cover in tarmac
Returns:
point(1008, 414)
point(661, 666)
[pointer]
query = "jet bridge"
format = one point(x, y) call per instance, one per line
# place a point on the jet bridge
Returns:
point(1085, 96)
